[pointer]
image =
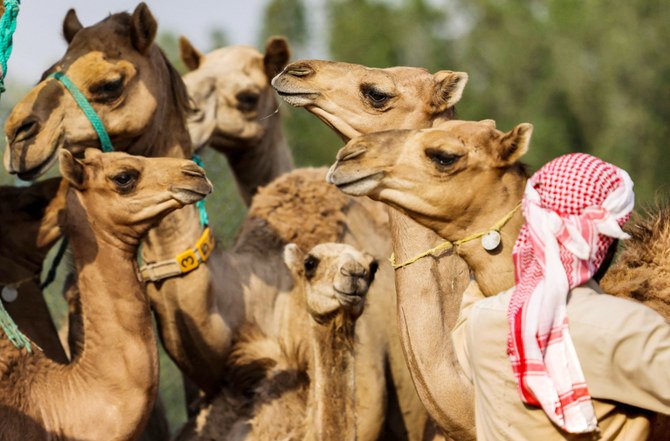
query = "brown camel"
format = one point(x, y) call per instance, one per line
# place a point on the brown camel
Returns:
point(440, 182)
point(200, 312)
point(107, 392)
point(307, 386)
point(29, 229)
point(237, 111)
point(355, 99)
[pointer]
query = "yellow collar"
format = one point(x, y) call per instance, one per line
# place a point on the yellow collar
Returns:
point(182, 263)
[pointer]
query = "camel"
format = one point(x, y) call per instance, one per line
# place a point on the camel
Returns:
point(29, 230)
point(440, 183)
point(298, 397)
point(113, 201)
point(237, 111)
point(200, 312)
point(354, 100)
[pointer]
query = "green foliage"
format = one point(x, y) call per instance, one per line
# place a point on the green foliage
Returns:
point(285, 17)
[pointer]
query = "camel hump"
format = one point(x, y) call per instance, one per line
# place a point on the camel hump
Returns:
point(642, 269)
point(301, 207)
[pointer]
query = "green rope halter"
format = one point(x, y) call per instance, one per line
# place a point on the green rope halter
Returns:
point(85, 106)
point(7, 28)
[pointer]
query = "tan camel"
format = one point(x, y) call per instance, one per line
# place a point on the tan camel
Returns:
point(355, 99)
point(106, 392)
point(307, 386)
point(200, 312)
point(458, 179)
point(237, 111)
point(29, 229)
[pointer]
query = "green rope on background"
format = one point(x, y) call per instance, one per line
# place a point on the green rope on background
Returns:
point(204, 218)
point(85, 106)
point(7, 28)
point(12, 331)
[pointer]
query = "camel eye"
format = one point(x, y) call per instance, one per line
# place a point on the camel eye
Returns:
point(375, 96)
point(125, 181)
point(374, 266)
point(311, 263)
point(247, 101)
point(441, 158)
point(107, 90)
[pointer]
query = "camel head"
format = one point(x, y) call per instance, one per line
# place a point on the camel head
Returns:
point(123, 196)
point(335, 277)
point(30, 226)
point(230, 88)
point(454, 178)
point(119, 70)
point(354, 99)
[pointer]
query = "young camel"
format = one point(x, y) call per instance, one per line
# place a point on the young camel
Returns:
point(29, 229)
point(113, 201)
point(354, 100)
point(237, 111)
point(462, 161)
point(137, 94)
point(308, 385)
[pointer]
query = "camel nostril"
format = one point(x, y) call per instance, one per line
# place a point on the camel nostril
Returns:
point(27, 130)
point(192, 169)
point(299, 71)
point(351, 154)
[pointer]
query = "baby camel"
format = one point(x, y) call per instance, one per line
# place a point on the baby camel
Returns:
point(109, 388)
point(458, 179)
point(307, 388)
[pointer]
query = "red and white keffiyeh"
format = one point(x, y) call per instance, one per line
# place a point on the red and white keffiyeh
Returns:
point(574, 208)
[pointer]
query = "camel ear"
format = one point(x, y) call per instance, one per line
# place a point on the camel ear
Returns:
point(514, 144)
point(143, 28)
point(71, 25)
point(276, 56)
point(71, 169)
point(189, 54)
point(448, 89)
point(294, 258)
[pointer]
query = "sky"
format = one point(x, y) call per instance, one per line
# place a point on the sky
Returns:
point(38, 41)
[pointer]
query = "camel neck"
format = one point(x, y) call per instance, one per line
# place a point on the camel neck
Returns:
point(333, 385)
point(258, 164)
point(429, 294)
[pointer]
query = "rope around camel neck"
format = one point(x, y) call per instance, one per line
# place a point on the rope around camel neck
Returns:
point(449, 245)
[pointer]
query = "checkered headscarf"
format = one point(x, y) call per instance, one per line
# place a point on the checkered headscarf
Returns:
point(574, 208)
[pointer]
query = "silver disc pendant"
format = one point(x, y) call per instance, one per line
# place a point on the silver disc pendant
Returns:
point(9, 294)
point(491, 240)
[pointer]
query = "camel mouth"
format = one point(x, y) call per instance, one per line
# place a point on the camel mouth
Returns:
point(40, 169)
point(191, 195)
point(298, 99)
point(355, 185)
point(350, 298)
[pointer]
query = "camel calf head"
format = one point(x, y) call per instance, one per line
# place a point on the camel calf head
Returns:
point(335, 277)
point(127, 195)
point(354, 99)
point(230, 88)
point(437, 176)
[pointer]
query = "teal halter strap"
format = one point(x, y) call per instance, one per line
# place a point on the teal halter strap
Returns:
point(204, 218)
point(85, 106)
point(7, 28)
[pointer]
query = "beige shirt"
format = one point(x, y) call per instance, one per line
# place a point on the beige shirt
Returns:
point(623, 347)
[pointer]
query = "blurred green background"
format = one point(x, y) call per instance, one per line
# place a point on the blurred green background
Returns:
point(591, 75)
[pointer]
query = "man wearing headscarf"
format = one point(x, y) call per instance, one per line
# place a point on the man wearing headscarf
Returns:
point(538, 352)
